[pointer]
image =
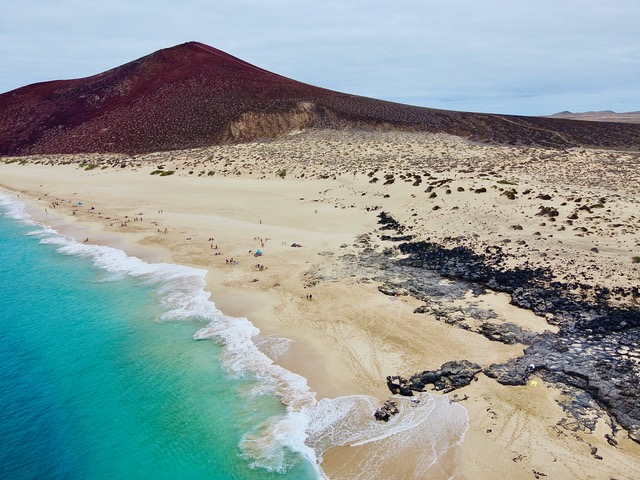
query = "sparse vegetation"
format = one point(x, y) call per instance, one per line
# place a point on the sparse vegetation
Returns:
point(163, 173)
point(510, 194)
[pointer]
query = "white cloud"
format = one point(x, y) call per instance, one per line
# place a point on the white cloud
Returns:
point(495, 55)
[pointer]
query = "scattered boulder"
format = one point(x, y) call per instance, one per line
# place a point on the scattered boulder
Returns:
point(388, 409)
point(547, 211)
point(399, 385)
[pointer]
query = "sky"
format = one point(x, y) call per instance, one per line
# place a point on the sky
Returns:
point(519, 57)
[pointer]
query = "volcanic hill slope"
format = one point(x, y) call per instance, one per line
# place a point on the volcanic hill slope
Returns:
point(193, 95)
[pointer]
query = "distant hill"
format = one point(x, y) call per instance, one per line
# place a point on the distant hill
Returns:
point(193, 95)
point(602, 116)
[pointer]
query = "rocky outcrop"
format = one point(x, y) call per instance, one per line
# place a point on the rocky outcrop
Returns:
point(387, 222)
point(255, 125)
point(399, 386)
point(388, 409)
point(507, 333)
point(595, 356)
point(450, 376)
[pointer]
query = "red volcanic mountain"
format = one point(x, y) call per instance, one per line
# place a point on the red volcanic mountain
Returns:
point(193, 95)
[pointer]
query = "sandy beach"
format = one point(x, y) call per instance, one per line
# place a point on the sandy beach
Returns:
point(322, 191)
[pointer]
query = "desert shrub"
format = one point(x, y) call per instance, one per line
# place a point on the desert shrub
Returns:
point(510, 194)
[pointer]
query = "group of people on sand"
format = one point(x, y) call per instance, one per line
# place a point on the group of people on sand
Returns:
point(53, 205)
point(231, 261)
point(260, 266)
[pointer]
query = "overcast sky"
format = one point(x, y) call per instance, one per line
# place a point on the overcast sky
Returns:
point(507, 56)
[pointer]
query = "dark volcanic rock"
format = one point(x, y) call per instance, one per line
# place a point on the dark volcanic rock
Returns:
point(595, 354)
point(463, 263)
point(388, 409)
point(398, 238)
point(390, 223)
point(399, 385)
point(508, 333)
point(450, 376)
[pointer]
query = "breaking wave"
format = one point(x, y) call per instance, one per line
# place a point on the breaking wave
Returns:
point(426, 425)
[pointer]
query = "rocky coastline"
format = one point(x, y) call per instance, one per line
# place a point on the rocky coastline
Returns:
point(594, 357)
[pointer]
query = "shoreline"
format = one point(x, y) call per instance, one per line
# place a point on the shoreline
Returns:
point(332, 333)
point(242, 306)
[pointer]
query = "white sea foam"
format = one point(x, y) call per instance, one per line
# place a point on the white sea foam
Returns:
point(308, 427)
point(14, 208)
point(272, 347)
point(181, 291)
point(41, 231)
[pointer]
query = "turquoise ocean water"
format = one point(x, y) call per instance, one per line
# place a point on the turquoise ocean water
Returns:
point(100, 376)
point(111, 368)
